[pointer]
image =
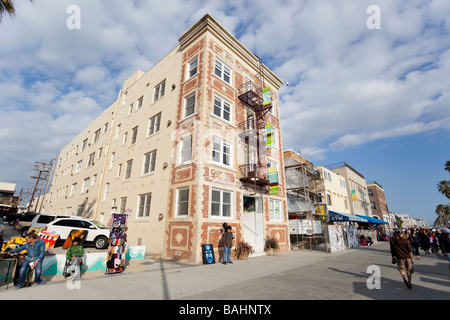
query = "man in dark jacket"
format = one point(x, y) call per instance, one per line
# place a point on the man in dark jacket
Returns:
point(227, 244)
point(401, 250)
point(446, 244)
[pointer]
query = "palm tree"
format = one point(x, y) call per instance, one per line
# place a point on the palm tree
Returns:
point(7, 6)
point(443, 212)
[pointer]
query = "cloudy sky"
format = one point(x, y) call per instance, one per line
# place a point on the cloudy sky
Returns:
point(367, 87)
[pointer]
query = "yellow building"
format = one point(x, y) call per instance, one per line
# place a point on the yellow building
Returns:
point(186, 147)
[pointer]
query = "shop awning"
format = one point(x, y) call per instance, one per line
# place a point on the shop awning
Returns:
point(373, 220)
point(339, 216)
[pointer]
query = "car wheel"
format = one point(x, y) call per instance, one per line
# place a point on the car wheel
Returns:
point(24, 232)
point(12, 222)
point(101, 242)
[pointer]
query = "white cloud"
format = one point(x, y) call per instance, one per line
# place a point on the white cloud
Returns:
point(348, 85)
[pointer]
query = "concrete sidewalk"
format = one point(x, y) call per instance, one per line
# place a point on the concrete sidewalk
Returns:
point(290, 276)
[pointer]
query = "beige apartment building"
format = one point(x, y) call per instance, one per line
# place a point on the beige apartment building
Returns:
point(188, 145)
point(357, 193)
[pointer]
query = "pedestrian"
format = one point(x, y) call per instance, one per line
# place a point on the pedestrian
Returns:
point(75, 258)
point(415, 243)
point(440, 234)
point(425, 242)
point(434, 243)
point(227, 243)
point(402, 253)
point(446, 244)
point(35, 255)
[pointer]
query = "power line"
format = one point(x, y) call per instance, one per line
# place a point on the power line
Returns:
point(16, 160)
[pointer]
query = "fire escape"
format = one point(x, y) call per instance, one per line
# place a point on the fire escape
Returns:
point(255, 172)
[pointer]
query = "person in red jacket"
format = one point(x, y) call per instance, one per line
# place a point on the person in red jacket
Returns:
point(402, 252)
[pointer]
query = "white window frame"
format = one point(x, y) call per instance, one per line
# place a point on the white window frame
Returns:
point(222, 144)
point(186, 149)
point(159, 90)
point(177, 212)
point(85, 186)
point(221, 204)
point(221, 70)
point(140, 102)
point(128, 169)
point(221, 108)
point(154, 124)
point(144, 205)
point(149, 164)
point(134, 134)
point(79, 164)
point(191, 68)
point(191, 96)
point(272, 212)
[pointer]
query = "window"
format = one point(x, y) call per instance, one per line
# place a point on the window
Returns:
point(130, 110)
point(123, 205)
point(192, 67)
point(85, 186)
point(144, 205)
point(140, 102)
point(221, 203)
point(91, 159)
point(78, 168)
point(73, 190)
point(128, 172)
point(329, 199)
point(84, 144)
point(125, 137)
point(134, 135)
point(223, 72)
point(154, 123)
point(96, 135)
point(275, 210)
point(159, 91)
point(186, 149)
point(189, 105)
point(105, 195)
point(119, 170)
point(111, 162)
point(183, 201)
point(149, 162)
point(117, 132)
point(222, 108)
point(221, 152)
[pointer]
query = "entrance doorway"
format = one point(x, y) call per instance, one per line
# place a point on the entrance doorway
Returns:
point(254, 224)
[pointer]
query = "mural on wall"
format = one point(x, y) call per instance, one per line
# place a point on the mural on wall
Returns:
point(336, 236)
point(352, 236)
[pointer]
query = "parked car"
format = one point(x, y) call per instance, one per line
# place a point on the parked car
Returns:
point(41, 220)
point(97, 233)
point(11, 217)
point(23, 224)
point(35, 220)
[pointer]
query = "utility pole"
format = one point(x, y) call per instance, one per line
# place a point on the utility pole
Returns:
point(43, 169)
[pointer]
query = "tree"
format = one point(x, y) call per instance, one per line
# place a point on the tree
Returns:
point(442, 210)
point(7, 6)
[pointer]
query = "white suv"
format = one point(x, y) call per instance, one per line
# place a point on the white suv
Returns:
point(98, 233)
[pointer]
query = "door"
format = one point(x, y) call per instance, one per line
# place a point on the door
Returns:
point(253, 224)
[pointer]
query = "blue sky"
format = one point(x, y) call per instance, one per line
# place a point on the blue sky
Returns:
point(375, 98)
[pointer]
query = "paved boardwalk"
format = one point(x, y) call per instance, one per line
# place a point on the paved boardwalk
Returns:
point(301, 275)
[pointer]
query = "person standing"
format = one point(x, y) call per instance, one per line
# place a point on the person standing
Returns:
point(221, 245)
point(446, 244)
point(415, 243)
point(425, 242)
point(227, 243)
point(402, 252)
point(35, 255)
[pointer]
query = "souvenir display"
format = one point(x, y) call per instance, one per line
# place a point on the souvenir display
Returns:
point(115, 258)
point(82, 234)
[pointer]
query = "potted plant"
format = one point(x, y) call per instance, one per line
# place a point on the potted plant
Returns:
point(271, 246)
point(242, 250)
